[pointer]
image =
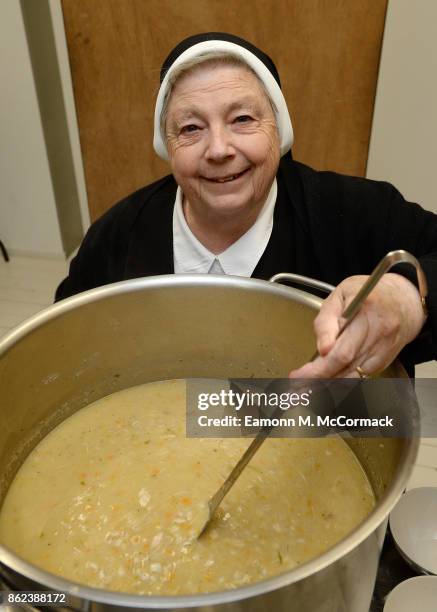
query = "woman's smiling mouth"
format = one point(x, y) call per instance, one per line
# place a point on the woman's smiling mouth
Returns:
point(226, 179)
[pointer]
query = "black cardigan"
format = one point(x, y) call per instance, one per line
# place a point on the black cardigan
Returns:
point(326, 225)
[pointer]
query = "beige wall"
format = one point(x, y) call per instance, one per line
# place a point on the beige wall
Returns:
point(70, 108)
point(28, 219)
point(43, 207)
point(403, 145)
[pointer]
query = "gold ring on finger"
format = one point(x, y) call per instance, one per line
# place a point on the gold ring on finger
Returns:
point(361, 373)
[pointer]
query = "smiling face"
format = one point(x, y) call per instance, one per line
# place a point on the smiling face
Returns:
point(222, 141)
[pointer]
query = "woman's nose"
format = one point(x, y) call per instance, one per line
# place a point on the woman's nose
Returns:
point(219, 143)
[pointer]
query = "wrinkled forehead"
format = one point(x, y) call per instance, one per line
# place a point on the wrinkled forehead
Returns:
point(236, 85)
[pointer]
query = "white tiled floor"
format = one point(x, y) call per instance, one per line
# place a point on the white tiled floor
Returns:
point(27, 285)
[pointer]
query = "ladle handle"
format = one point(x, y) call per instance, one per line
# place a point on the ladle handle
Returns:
point(386, 263)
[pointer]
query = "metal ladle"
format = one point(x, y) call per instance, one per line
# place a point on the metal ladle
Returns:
point(391, 259)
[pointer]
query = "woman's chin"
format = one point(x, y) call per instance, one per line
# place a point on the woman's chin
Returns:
point(232, 208)
point(231, 203)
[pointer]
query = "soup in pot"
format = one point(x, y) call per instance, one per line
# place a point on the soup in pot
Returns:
point(112, 497)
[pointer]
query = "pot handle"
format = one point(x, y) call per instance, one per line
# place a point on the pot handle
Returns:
point(302, 280)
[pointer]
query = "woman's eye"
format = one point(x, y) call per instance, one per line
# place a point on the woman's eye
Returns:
point(243, 119)
point(189, 129)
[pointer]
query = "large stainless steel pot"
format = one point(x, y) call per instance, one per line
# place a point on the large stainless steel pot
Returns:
point(174, 327)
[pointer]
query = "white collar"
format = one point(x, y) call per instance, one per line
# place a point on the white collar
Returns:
point(240, 259)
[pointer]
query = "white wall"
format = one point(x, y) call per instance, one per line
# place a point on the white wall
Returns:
point(28, 218)
point(67, 87)
point(403, 146)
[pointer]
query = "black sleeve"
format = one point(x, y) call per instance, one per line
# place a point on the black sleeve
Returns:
point(417, 229)
point(101, 256)
point(390, 223)
point(356, 221)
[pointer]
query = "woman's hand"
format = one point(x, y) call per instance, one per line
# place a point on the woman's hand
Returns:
point(391, 317)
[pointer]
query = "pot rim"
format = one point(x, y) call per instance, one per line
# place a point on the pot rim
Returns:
point(342, 548)
point(163, 281)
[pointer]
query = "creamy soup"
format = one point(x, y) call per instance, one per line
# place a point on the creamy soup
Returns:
point(112, 497)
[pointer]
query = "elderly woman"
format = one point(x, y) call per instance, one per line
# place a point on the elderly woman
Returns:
point(237, 203)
